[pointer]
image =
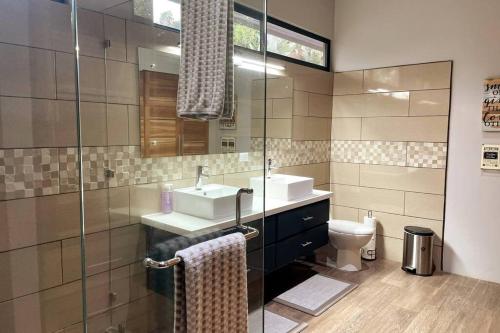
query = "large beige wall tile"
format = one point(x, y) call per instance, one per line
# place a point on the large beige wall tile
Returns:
point(134, 122)
point(120, 285)
point(138, 281)
point(320, 105)
point(27, 222)
point(311, 128)
point(147, 36)
point(48, 311)
point(348, 106)
point(392, 225)
point(280, 87)
point(96, 210)
point(403, 178)
point(144, 199)
point(29, 270)
point(346, 128)
point(241, 179)
point(123, 83)
point(369, 198)
point(117, 124)
point(96, 254)
point(259, 108)
point(300, 103)
point(320, 172)
point(348, 83)
point(344, 213)
point(389, 248)
point(412, 77)
point(258, 89)
point(387, 104)
point(98, 293)
point(344, 173)
point(371, 105)
point(277, 128)
point(430, 103)
point(427, 129)
point(27, 72)
point(282, 108)
point(94, 124)
point(91, 33)
point(119, 206)
point(49, 28)
point(310, 80)
point(128, 245)
point(429, 206)
point(26, 122)
point(92, 78)
point(114, 30)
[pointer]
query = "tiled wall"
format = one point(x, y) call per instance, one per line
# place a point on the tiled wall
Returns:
point(298, 122)
point(389, 148)
point(40, 274)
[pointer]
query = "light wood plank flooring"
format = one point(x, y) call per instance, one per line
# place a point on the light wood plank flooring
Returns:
point(390, 300)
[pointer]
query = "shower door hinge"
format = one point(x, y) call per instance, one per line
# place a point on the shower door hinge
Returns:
point(108, 173)
point(107, 43)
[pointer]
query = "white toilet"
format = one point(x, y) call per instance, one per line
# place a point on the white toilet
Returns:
point(348, 238)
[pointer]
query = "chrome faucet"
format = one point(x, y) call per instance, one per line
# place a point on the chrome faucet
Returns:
point(238, 203)
point(199, 176)
point(269, 168)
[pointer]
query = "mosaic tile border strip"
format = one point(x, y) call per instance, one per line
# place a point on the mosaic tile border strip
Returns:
point(427, 155)
point(43, 171)
point(412, 154)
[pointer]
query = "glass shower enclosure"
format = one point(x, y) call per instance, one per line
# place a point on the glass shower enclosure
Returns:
point(90, 144)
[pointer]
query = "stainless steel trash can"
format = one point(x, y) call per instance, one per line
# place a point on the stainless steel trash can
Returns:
point(417, 250)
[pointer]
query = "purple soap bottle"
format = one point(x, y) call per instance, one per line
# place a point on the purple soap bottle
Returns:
point(166, 198)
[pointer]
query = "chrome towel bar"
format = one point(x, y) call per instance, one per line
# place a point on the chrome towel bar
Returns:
point(150, 263)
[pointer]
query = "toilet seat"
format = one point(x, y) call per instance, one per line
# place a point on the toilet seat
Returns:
point(349, 227)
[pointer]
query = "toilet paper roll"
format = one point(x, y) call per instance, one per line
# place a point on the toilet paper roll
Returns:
point(369, 252)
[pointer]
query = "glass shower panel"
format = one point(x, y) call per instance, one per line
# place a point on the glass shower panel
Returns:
point(40, 277)
point(133, 145)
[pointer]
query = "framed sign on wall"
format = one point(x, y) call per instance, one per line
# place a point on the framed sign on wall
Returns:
point(491, 105)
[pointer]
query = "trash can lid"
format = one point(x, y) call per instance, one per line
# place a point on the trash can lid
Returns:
point(419, 231)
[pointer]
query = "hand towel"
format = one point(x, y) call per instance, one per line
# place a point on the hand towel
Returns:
point(206, 71)
point(211, 287)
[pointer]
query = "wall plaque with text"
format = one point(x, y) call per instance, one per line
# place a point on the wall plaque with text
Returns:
point(491, 105)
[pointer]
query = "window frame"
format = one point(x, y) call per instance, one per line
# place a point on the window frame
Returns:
point(250, 12)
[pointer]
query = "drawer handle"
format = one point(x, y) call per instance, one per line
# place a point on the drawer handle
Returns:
point(306, 244)
point(309, 218)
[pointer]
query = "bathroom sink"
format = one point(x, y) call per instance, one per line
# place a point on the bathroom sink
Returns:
point(212, 202)
point(283, 187)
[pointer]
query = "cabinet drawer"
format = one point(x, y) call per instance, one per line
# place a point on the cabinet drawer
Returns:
point(270, 229)
point(313, 239)
point(303, 218)
point(287, 250)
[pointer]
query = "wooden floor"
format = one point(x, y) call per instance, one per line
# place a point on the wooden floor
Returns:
point(390, 300)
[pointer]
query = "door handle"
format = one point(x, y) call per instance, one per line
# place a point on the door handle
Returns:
point(306, 244)
point(306, 219)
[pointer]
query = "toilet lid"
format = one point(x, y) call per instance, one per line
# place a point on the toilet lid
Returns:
point(350, 227)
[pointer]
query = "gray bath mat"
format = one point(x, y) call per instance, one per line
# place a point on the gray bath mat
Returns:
point(316, 294)
point(274, 323)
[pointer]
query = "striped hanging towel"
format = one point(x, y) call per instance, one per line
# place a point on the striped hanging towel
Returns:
point(206, 70)
point(211, 287)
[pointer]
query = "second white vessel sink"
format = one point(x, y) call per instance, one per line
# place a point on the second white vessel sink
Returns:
point(212, 202)
point(283, 187)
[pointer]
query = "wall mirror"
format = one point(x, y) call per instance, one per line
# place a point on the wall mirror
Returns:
point(164, 134)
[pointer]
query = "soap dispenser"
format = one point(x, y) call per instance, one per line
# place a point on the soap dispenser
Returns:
point(166, 198)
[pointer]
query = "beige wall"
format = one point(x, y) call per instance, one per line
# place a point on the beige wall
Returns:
point(389, 144)
point(376, 33)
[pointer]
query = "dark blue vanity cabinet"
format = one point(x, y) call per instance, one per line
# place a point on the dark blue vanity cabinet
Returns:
point(289, 235)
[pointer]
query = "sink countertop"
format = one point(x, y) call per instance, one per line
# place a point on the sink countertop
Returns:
point(191, 226)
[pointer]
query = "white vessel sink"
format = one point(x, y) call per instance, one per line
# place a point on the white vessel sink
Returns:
point(212, 202)
point(283, 187)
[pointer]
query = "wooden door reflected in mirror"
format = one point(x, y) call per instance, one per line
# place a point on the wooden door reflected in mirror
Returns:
point(162, 132)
